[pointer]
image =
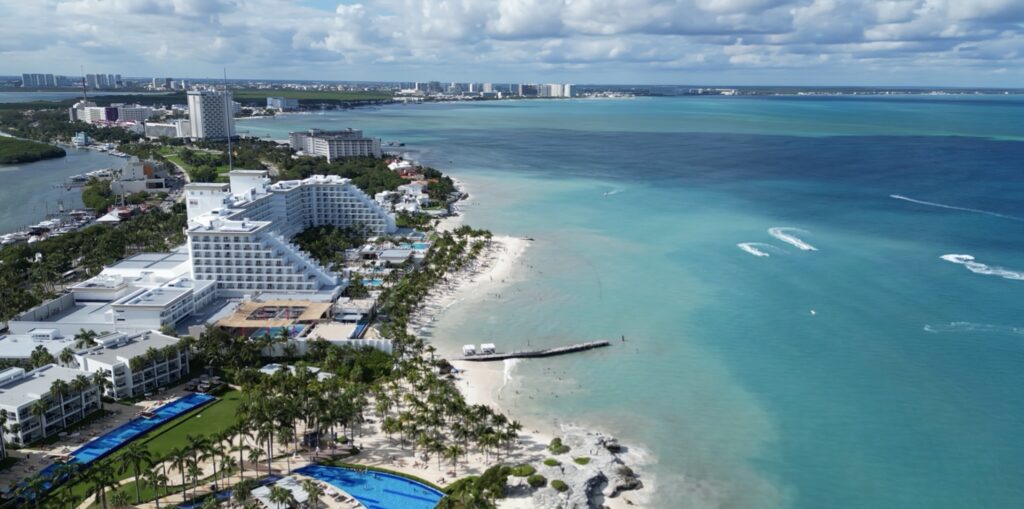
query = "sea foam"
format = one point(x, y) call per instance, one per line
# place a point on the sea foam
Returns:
point(973, 327)
point(980, 268)
point(781, 233)
point(755, 248)
point(954, 207)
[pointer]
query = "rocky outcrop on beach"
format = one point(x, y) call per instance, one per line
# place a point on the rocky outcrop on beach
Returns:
point(593, 470)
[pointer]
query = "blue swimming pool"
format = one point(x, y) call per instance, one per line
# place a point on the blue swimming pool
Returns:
point(373, 282)
point(293, 331)
point(422, 246)
point(121, 435)
point(376, 490)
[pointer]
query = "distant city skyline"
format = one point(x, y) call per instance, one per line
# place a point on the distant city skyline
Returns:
point(969, 43)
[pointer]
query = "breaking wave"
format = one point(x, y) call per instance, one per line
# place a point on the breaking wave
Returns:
point(780, 232)
point(953, 207)
point(755, 248)
point(973, 327)
point(981, 268)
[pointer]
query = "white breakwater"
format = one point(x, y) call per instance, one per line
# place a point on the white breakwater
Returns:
point(980, 268)
point(784, 234)
point(954, 207)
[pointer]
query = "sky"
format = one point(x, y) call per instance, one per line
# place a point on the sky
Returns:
point(972, 43)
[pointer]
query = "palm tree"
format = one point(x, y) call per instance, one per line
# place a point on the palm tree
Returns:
point(437, 448)
point(85, 338)
point(67, 356)
point(242, 492)
point(227, 464)
point(210, 452)
point(64, 498)
point(286, 434)
point(156, 480)
point(121, 500)
point(179, 459)
point(79, 385)
point(59, 389)
point(100, 380)
point(101, 478)
point(32, 490)
point(453, 452)
point(313, 489)
point(254, 457)
point(240, 449)
point(38, 410)
point(3, 430)
point(281, 496)
point(138, 457)
point(194, 473)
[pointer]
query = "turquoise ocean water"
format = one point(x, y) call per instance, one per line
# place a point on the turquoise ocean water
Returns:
point(866, 372)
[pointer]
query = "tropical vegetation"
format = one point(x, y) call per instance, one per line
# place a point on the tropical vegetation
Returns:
point(30, 273)
point(14, 151)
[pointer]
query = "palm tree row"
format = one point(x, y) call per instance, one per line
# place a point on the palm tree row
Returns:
point(430, 413)
point(450, 251)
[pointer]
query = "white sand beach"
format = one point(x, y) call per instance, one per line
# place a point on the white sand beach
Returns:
point(485, 382)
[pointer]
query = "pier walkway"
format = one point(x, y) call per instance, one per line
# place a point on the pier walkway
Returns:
point(526, 354)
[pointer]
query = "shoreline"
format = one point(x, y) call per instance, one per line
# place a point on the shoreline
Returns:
point(483, 383)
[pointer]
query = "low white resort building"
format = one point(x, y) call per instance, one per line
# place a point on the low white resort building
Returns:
point(20, 392)
point(238, 234)
point(19, 347)
point(334, 144)
point(135, 364)
point(144, 292)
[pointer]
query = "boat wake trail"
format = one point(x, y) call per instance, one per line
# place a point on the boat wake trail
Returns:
point(782, 233)
point(613, 192)
point(953, 207)
point(759, 249)
point(973, 327)
point(981, 268)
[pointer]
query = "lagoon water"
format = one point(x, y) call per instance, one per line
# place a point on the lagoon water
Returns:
point(799, 333)
point(30, 191)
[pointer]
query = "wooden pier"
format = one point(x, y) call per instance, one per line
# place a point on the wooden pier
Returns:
point(528, 354)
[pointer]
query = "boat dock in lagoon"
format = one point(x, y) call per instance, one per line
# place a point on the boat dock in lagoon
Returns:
point(546, 352)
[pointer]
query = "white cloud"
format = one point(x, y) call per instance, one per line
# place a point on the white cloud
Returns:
point(419, 39)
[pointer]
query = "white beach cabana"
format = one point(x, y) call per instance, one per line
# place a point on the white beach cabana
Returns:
point(468, 350)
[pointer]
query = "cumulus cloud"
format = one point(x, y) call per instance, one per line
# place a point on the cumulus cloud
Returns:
point(659, 39)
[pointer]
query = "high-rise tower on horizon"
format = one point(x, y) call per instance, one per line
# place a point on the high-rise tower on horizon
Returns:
point(210, 113)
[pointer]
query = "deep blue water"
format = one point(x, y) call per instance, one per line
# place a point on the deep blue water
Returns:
point(870, 372)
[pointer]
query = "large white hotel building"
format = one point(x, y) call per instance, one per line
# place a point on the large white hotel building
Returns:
point(238, 233)
point(210, 114)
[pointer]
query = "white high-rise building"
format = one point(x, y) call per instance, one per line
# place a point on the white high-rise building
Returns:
point(238, 233)
point(210, 114)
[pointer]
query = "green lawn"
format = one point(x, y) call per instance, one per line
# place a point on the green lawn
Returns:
point(172, 156)
point(312, 95)
point(204, 421)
